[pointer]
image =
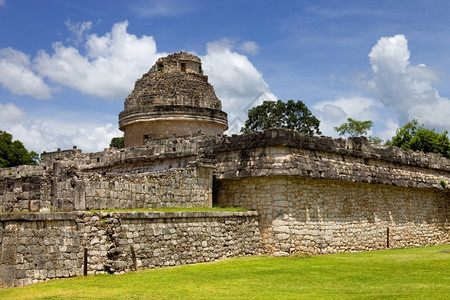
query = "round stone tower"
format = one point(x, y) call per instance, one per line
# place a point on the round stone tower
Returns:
point(173, 98)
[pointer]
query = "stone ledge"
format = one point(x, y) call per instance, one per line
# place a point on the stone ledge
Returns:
point(184, 214)
point(30, 217)
point(63, 216)
point(175, 112)
point(356, 147)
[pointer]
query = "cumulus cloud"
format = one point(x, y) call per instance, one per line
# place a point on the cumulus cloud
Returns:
point(390, 129)
point(95, 139)
point(49, 134)
point(249, 47)
point(16, 75)
point(236, 81)
point(405, 87)
point(78, 29)
point(10, 113)
point(335, 112)
point(110, 67)
point(39, 137)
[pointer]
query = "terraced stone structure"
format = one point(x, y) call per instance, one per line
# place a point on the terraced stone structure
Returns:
point(173, 99)
point(304, 194)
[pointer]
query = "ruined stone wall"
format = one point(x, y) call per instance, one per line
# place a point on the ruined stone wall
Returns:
point(22, 189)
point(289, 153)
point(182, 238)
point(37, 247)
point(187, 187)
point(328, 216)
point(66, 186)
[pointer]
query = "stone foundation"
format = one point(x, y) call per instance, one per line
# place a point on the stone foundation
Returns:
point(37, 247)
point(327, 216)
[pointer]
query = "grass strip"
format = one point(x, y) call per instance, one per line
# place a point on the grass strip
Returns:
point(418, 273)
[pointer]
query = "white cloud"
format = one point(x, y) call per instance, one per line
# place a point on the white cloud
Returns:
point(236, 81)
point(78, 29)
point(112, 63)
point(9, 113)
point(249, 47)
point(36, 136)
point(390, 128)
point(404, 87)
point(95, 139)
point(334, 113)
point(2, 2)
point(48, 134)
point(16, 75)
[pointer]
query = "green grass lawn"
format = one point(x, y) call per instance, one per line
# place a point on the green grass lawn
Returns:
point(418, 273)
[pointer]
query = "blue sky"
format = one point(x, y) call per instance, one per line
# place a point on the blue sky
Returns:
point(67, 66)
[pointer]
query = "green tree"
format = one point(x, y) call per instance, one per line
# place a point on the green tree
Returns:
point(358, 128)
point(117, 142)
point(416, 137)
point(354, 127)
point(14, 153)
point(375, 140)
point(278, 114)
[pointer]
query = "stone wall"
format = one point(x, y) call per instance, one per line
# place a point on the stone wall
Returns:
point(37, 247)
point(23, 194)
point(328, 216)
point(289, 153)
point(186, 187)
point(181, 238)
point(22, 189)
point(64, 187)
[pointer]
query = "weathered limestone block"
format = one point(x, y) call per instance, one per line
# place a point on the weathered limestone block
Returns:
point(324, 216)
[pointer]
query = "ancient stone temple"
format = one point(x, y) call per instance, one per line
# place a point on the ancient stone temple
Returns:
point(173, 99)
point(301, 193)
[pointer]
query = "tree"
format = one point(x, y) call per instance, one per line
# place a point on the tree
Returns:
point(416, 137)
point(375, 140)
point(279, 114)
point(354, 127)
point(117, 142)
point(14, 153)
point(358, 128)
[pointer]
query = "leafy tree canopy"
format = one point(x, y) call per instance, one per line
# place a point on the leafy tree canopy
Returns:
point(13, 153)
point(358, 128)
point(416, 137)
point(117, 142)
point(375, 140)
point(354, 128)
point(279, 114)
